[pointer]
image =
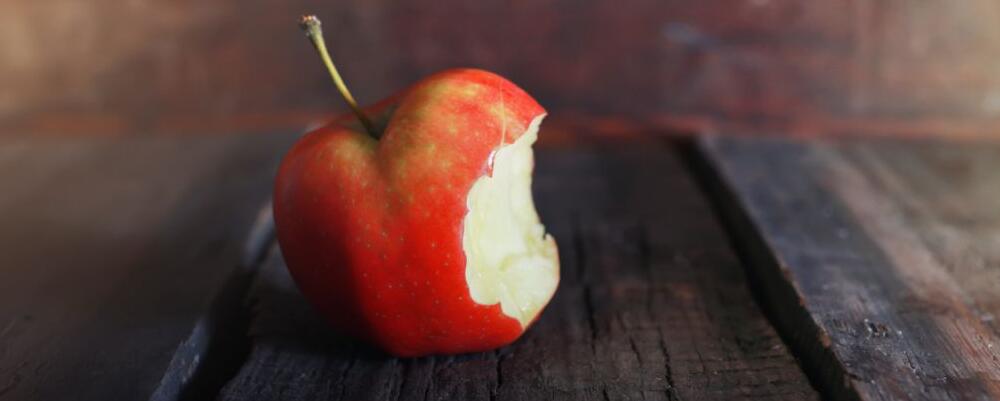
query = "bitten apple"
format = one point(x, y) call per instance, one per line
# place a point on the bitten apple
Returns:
point(411, 224)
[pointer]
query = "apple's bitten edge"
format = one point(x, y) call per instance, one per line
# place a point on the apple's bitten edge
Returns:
point(218, 343)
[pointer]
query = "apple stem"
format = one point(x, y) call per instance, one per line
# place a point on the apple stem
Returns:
point(311, 25)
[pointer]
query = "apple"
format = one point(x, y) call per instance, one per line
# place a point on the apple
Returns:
point(410, 223)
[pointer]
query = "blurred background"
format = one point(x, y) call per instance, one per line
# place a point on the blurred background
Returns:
point(139, 67)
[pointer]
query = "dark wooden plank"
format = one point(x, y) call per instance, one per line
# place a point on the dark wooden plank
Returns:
point(112, 250)
point(652, 305)
point(877, 259)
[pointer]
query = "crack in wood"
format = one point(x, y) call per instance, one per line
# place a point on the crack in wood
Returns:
point(635, 349)
point(343, 377)
point(671, 390)
point(430, 383)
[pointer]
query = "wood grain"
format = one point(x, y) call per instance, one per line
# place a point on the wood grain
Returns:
point(112, 252)
point(877, 259)
point(653, 305)
point(137, 66)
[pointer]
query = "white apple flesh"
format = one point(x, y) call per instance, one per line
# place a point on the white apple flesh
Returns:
point(509, 257)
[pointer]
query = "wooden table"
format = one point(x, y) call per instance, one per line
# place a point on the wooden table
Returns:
point(145, 268)
point(878, 260)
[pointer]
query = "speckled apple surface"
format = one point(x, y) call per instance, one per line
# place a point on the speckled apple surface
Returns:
point(426, 240)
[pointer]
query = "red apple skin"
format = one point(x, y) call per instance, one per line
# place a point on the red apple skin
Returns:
point(371, 230)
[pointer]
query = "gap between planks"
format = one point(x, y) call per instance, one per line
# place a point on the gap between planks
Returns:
point(219, 343)
point(873, 258)
point(770, 287)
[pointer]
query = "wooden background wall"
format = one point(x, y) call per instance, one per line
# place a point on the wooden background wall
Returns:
point(191, 66)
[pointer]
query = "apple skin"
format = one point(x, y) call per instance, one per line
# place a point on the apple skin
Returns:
point(371, 230)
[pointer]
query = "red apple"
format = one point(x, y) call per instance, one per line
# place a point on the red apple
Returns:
point(419, 233)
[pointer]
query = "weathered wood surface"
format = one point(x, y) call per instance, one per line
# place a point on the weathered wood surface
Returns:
point(653, 305)
point(110, 253)
point(877, 259)
point(231, 66)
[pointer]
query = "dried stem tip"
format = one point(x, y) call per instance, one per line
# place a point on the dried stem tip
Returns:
point(311, 25)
